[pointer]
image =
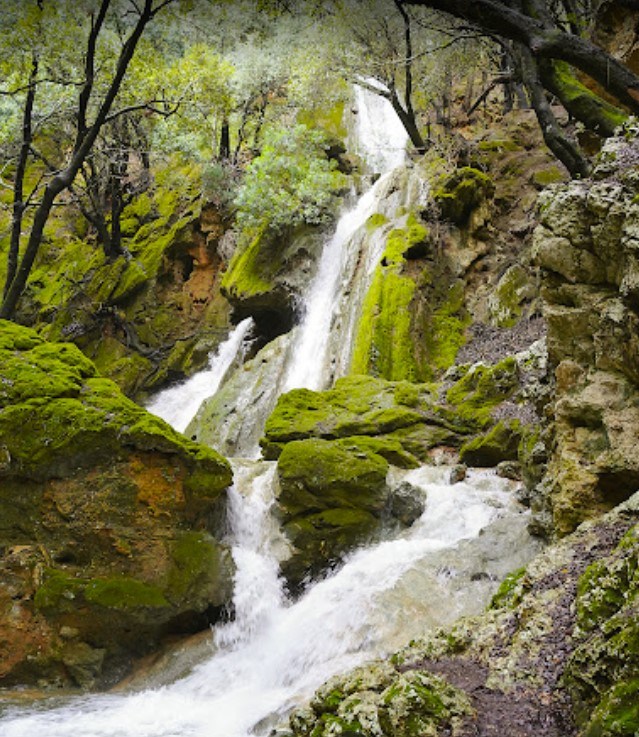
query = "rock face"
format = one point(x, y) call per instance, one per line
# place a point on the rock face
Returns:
point(559, 647)
point(587, 245)
point(151, 315)
point(107, 521)
point(267, 275)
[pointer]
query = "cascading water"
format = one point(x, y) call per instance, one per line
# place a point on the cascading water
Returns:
point(275, 652)
point(382, 144)
point(178, 404)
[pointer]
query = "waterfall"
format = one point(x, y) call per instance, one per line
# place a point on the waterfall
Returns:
point(382, 143)
point(178, 404)
point(277, 652)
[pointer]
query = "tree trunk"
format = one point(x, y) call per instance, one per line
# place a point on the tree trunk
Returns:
point(583, 104)
point(566, 150)
point(225, 141)
point(18, 185)
point(82, 147)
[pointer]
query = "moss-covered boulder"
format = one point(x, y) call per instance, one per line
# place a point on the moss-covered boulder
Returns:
point(460, 193)
point(401, 419)
point(331, 498)
point(501, 443)
point(108, 520)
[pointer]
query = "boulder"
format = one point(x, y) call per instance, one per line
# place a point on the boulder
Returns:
point(331, 499)
point(108, 521)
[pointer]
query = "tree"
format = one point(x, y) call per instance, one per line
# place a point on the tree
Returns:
point(548, 47)
point(291, 182)
point(93, 109)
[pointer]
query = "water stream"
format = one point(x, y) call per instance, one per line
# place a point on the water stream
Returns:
point(277, 651)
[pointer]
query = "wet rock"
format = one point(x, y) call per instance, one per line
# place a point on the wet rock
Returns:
point(458, 473)
point(406, 503)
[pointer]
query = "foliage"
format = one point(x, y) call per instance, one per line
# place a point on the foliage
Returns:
point(291, 182)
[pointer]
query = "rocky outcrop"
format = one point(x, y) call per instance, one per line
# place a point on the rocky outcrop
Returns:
point(151, 315)
point(557, 651)
point(267, 275)
point(334, 450)
point(108, 521)
point(587, 244)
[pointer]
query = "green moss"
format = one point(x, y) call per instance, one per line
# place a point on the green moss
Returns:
point(383, 344)
point(419, 703)
point(252, 267)
point(317, 474)
point(617, 714)
point(549, 175)
point(124, 593)
point(460, 193)
point(59, 591)
point(605, 587)
point(76, 419)
point(446, 332)
point(510, 591)
point(501, 443)
point(582, 101)
point(387, 447)
point(476, 394)
point(356, 405)
point(407, 394)
point(376, 220)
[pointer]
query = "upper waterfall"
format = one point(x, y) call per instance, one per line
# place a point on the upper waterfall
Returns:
point(380, 139)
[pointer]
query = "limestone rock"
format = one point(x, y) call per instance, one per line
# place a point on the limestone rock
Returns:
point(586, 245)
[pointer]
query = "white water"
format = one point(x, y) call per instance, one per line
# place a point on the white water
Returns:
point(178, 404)
point(276, 652)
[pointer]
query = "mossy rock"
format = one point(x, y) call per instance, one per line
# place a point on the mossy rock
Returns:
point(356, 405)
point(317, 474)
point(321, 539)
point(481, 389)
point(617, 714)
point(501, 443)
point(384, 340)
point(374, 700)
point(103, 495)
point(76, 418)
point(420, 703)
point(331, 498)
point(461, 192)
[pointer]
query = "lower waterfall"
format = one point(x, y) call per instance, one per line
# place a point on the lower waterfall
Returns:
point(276, 652)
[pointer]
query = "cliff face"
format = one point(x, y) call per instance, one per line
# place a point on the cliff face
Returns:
point(587, 246)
